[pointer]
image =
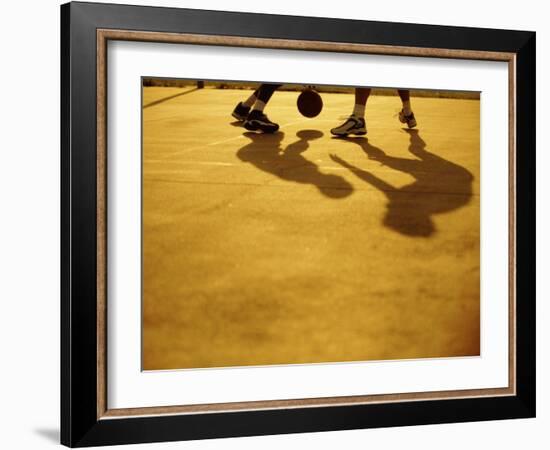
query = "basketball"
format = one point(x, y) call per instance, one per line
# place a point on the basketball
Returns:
point(309, 103)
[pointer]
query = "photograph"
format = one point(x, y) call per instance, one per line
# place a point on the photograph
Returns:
point(301, 224)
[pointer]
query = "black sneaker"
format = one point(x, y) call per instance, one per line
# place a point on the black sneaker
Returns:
point(408, 119)
point(353, 125)
point(258, 121)
point(241, 112)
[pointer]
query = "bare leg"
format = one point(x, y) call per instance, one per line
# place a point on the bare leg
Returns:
point(405, 96)
point(250, 100)
point(406, 115)
point(355, 124)
point(362, 95)
point(265, 91)
point(243, 108)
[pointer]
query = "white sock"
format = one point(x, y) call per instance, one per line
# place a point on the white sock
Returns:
point(358, 111)
point(407, 107)
point(250, 101)
point(259, 106)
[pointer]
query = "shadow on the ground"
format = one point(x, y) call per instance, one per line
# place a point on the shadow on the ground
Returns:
point(170, 97)
point(440, 186)
point(49, 434)
point(265, 152)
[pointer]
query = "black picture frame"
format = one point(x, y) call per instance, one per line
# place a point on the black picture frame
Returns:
point(80, 424)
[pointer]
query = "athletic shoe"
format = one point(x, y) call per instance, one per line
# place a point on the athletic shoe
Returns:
point(353, 125)
point(408, 119)
point(258, 121)
point(241, 112)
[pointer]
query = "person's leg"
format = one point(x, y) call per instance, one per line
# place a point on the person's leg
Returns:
point(361, 97)
point(257, 120)
point(252, 99)
point(405, 96)
point(355, 124)
point(406, 115)
point(243, 108)
point(265, 91)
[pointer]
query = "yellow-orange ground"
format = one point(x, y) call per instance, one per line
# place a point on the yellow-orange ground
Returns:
point(298, 247)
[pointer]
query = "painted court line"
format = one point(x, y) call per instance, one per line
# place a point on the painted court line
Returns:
point(223, 141)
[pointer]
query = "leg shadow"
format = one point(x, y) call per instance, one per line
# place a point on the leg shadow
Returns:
point(264, 151)
point(440, 186)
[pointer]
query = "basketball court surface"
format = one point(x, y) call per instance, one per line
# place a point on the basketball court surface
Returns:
point(299, 247)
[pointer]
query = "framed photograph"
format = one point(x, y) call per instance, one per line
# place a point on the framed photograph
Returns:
point(277, 224)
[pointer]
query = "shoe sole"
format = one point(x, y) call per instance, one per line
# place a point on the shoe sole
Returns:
point(355, 133)
point(255, 126)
